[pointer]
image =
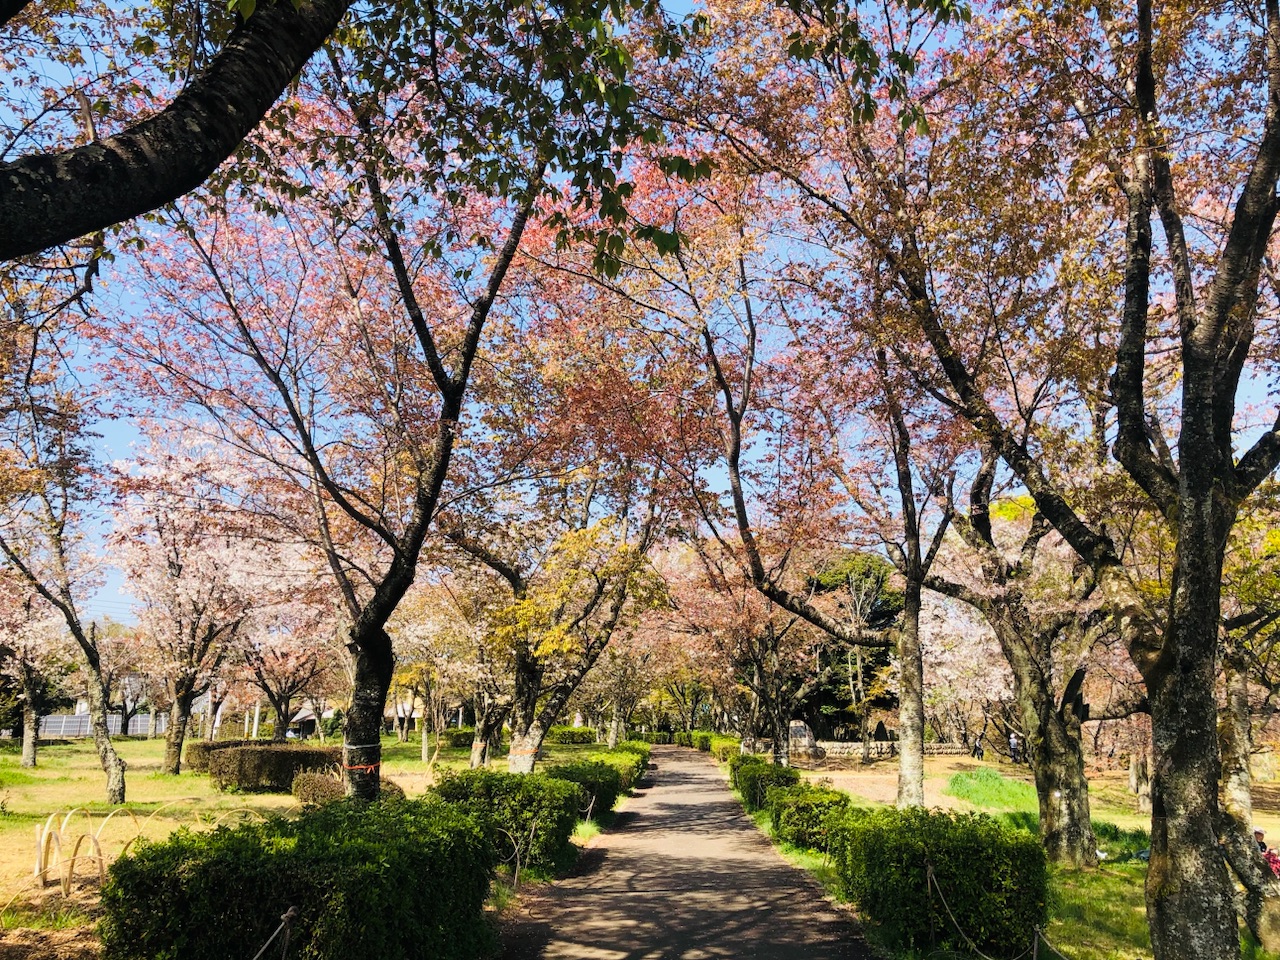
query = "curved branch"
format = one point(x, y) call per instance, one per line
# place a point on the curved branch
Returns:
point(52, 198)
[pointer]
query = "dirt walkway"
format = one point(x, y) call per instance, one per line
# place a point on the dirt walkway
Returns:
point(683, 874)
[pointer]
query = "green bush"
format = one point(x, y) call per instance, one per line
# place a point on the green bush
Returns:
point(682, 739)
point(600, 780)
point(740, 761)
point(196, 754)
point(460, 737)
point(404, 879)
point(994, 880)
point(629, 764)
point(316, 789)
point(656, 737)
point(571, 735)
point(530, 816)
point(703, 742)
point(640, 752)
point(756, 779)
point(801, 814)
point(267, 767)
point(724, 751)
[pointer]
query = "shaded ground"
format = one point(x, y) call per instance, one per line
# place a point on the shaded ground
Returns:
point(683, 874)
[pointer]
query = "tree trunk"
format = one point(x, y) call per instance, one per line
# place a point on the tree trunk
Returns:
point(30, 732)
point(910, 702)
point(182, 696)
point(151, 723)
point(1261, 886)
point(780, 722)
point(30, 715)
point(362, 744)
point(1190, 896)
point(1057, 761)
point(113, 764)
point(615, 727)
point(525, 744)
point(485, 741)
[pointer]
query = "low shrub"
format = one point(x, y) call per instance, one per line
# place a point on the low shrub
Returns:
point(267, 768)
point(460, 737)
point(756, 779)
point(316, 789)
point(801, 814)
point(640, 753)
point(994, 880)
point(568, 735)
point(702, 741)
point(682, 739)
point(629, 764)
point(723, 751)
point(196, 753)
point(530, 816)
point(738, 762)
point(601, 781)
point(406, 879)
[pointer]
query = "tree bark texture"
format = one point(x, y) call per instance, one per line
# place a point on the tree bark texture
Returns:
point(113, 764)
point(362, 745)
point(910, 702)
point(182, 695)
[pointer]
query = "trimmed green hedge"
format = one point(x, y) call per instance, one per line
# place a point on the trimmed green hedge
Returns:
point(601, 781)
point(403, 879)
point(460, 737)
point(702, 741)
point(739, 761)
point(196, 754)
point(801, 814)
point(755, 780)
point(641, 751)
point(571, 735)
point(268, 768)
point(315, 789)
point(995, 880)
point(530, 816)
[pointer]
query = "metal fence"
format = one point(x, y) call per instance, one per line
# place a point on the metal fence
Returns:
point(68, 726)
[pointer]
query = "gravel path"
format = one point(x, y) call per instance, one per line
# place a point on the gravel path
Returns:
point(683, 873)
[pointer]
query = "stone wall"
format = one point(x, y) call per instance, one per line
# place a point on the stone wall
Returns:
point(852, 750)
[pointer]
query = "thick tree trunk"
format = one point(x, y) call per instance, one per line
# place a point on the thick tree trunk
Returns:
point(30, 732)
point(362, 745)
point(910, 702)
point(1190, 896)
point(1057, 761)
point(179, 716)
point(615, 727)
point(525, 744)
point(113, 764)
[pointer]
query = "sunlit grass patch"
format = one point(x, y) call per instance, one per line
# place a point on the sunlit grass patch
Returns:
point(990, 789)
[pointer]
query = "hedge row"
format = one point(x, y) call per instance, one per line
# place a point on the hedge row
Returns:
point(528, 816)
point(994, 879)
point(571, 735)
point(269, 768)
point(802, 814)
point(196, 754)
point(315, 789)
point(400, 879)
point(756, 777)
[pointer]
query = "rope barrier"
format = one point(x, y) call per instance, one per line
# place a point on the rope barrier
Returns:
point(366, 767)
point(286, 923)
point(1033, 950)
